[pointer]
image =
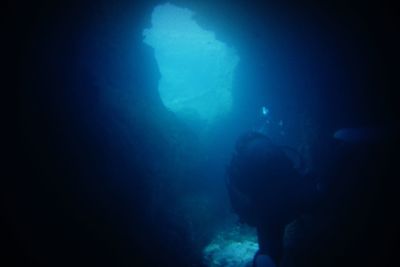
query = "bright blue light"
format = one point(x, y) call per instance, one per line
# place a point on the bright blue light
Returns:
point(196, 69)
point(264, 111)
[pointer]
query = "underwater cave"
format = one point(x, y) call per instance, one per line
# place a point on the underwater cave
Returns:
point(130, 113)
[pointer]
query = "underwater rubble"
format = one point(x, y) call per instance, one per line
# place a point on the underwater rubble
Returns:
point(234, 247)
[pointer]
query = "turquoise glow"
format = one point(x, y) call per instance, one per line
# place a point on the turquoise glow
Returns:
point(196, 69)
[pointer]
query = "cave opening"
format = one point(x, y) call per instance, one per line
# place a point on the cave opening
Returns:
point(196, 69)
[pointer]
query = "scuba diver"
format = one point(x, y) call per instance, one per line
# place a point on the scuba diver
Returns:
point(272, 193)
point(267, 191)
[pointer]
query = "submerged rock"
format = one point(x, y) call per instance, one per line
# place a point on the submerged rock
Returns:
point(233, 248)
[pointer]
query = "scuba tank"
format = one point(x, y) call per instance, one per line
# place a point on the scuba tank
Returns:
point(261, 171)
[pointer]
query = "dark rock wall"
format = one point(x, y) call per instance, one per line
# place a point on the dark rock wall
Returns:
point(95, 144)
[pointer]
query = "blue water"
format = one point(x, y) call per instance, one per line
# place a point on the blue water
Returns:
point(129, 111)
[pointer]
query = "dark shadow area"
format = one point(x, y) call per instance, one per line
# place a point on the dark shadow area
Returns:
point(94, 149)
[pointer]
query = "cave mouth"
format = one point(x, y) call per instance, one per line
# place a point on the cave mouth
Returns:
point(196, 69)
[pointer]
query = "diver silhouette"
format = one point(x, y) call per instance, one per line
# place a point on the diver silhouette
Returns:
point(267, 192)
point(333, 215)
